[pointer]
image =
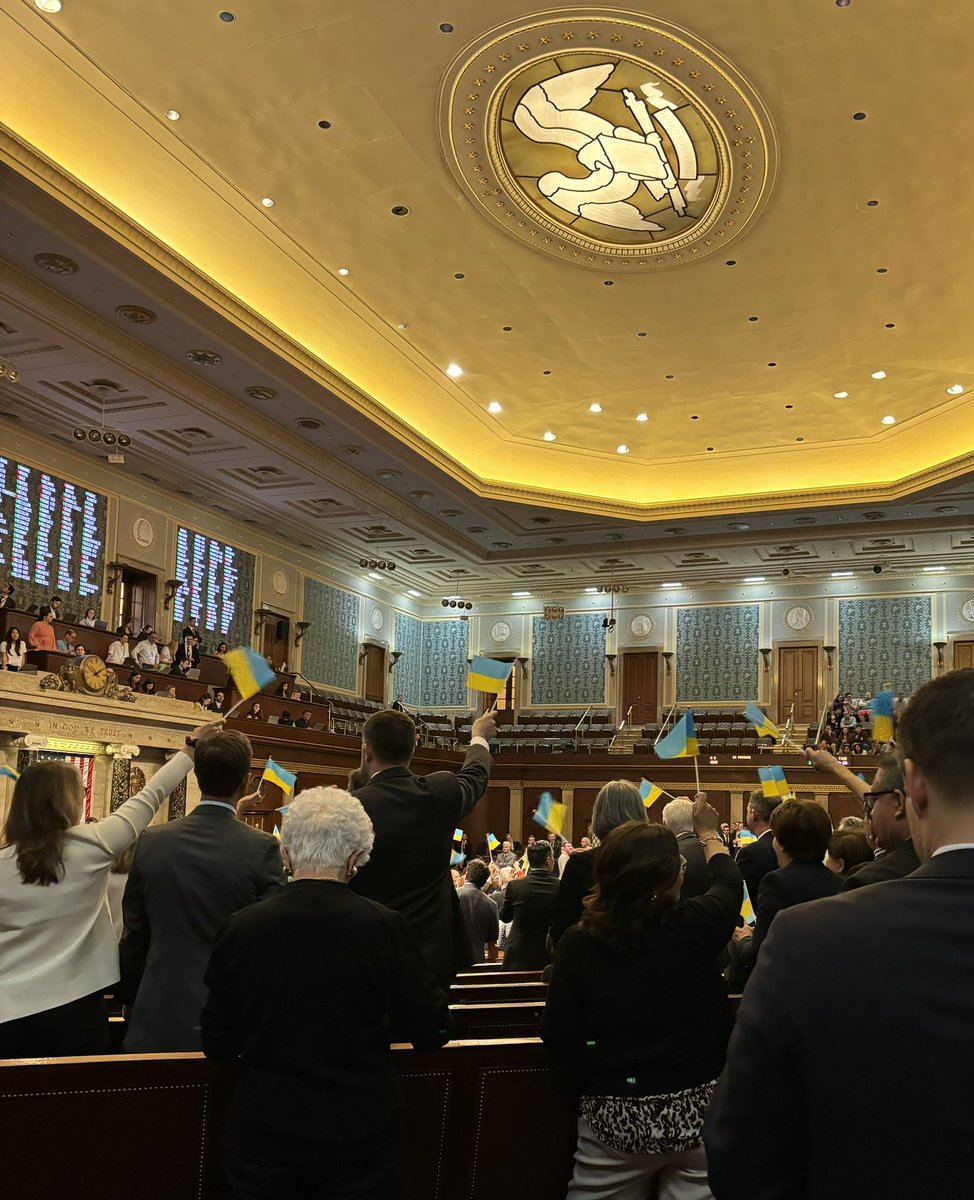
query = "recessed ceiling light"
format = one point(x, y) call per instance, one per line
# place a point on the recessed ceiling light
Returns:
point(932, 570)
point(840, 395)
point(754, 578)
point(267, 202)
point(859, 116)
point(374, 575)
point(343, 270)
point(591, 590)
point(228, 17)
point(454, 371)
point(446, 27)
point(642, 416)
point(494, 406)
point(549, 436)
point(879, 374)
point(48, 6)
point(841, 574)
point(889, 420)
point(521, 595)
point(622, 449)
point(413, 592)
point(671, 584)
point(172, 114)
point(955, 389)
point(324, 124)
point(400, 210)
point(739, 525)
point(403, 325)
point(596, 408)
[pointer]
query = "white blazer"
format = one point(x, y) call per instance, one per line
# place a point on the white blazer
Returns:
point(57, 943)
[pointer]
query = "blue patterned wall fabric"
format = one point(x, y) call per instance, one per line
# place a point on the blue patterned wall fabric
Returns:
point(444, 674)
point(567, 660)
point(717, 653)
point(884, 641)
point(408, 671)
point(329, 651)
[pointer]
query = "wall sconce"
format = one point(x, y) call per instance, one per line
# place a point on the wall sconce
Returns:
point(611, 660)
point(174, 587)
point(940, 647)
point(302, 628)
point(667, 655)
point(364, 654)
point(766, 653)
point(523, 664)
point(261, 615)
point(116, 569)
point(394, 657)
point(829, 651)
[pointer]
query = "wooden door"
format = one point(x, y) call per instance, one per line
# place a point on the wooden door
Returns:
point(582, 805)
point(375, 672)
point(532, 797)
point(276, 639)
point(492, 815)
point(798, 681)
point(963, 655)
point(137, 597)
point(640, 681)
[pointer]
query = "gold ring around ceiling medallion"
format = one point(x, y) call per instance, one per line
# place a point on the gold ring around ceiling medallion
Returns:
point(610, 133)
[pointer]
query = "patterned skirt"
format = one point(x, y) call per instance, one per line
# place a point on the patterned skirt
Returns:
point(668, 1124)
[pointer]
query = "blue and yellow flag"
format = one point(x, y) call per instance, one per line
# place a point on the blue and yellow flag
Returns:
point(650, 793)
point(773, 782)
point(759, 720)
point(275, 773)
point(747, 908)
point(9, 773)
point(492, 843)
point(549, 814)
point(881, 706)
point(458, 835)
point(277, 833)
point(681, 741)
point(250, 673)
point(456, 858)
point(489, 675)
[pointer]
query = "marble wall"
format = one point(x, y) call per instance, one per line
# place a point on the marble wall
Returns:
point(567, 660)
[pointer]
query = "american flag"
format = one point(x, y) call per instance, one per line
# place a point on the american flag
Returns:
point(85, 764)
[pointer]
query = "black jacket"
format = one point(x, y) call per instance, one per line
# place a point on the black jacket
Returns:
point(696, 881)
point(897, 864)
point(575, 884)
point(414, 818)
point(600, 1019)
point(187, 878)
point(755, 860)
point(904, 955)
point(308, 990)
point(530, 904)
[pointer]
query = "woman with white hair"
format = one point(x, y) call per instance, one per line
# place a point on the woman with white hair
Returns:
point(307, 989)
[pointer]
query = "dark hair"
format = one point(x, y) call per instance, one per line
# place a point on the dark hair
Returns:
point(391, 736)
point(538, 854)
point(891, 770)
point(43, 611)
point(850, 847)
point(47, 800)
point(802, 829)
point(6, 636)
point(637, 863)
point(935, 733)
point(222, 763)
point(57, 598)
point(764, 805)
point(477, 873)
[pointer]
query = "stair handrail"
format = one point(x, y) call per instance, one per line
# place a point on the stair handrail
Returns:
point(622, 726)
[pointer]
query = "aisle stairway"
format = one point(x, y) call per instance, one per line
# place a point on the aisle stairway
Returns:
point(625, 740)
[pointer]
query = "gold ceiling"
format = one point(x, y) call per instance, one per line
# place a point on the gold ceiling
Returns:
point(859, 262)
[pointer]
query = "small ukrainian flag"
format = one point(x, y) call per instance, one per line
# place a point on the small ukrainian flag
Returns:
point(650, 793)
point(492, 843)
point(277, 833)
point(9, 773)
point(458, 835)
point(747, 908)
point(881, 707)
point(549, 814)
point(275, 773)
point(456, 859)
point(773, 782)
point(681, 741)
point(759, 720)
point(488, 675)
point(250, 673)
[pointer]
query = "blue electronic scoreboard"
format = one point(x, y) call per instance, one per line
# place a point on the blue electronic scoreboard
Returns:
point(219, 591)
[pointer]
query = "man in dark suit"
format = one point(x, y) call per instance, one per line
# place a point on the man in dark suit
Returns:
point(902, 952)
point(885, 806)
point(678, 819)
point(414, 818)
point(187, 878)
point(530, 904)
point(757, 858)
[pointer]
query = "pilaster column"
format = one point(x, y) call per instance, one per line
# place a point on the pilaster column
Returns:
point(516, 810)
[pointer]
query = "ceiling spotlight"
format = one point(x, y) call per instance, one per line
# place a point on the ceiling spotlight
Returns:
point(94, 435)
point(955, 389)
point(494, 407)
point(80, 435)
point(267, 202)
point(48, 6)
point(622, 449)
point(454, 370)
point(124, 440)
point(171, 114)
point(889, 420)
point(549, 436)
point(840, 395)
point(109, 438)
point(596, 408)
point(363, 562)
point(381, 564)
point(343, 270)
point(642, 416)
point(372, 564)
point(445, 603)
point(879, 374)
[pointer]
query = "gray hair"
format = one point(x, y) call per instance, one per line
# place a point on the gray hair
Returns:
point(618, 802)
point(323, 828)
point(678, 815)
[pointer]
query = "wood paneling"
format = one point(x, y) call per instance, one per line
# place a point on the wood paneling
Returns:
point(532, 796)
point(963, 655)
point(375, 672)
point(492, 815)
point(582, 805)
point(798, 681)
point(640, 684)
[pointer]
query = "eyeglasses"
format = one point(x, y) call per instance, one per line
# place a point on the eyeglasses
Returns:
point(869, 798)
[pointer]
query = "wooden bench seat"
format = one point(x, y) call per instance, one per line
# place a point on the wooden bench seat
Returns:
point(519, 1019)
point(491, 992)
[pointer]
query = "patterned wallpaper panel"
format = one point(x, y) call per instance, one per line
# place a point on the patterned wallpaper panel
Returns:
point(717, 653)
point(330, 647)
point(568, 660)
point(408, 672)
point(884, 641)
point(444, 673)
